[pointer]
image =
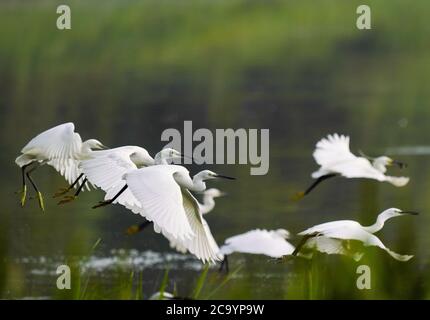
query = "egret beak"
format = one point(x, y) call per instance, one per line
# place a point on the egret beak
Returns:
point(103, 147)
point(186, 157)
point(224, 177)
point(410, 212)
point(222, 194)
point(400, 164)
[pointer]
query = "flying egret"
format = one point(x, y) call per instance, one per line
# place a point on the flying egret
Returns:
point(335, 158)
point(272, 243)
point(117, 161)
point(344, 231)
point(207, 206)
point(163, 192)
point(106, 168)
point(60, 147)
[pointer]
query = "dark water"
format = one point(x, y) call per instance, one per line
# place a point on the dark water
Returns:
point(126, 72)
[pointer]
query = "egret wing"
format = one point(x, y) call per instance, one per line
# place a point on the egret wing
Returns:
point(68, 168)
point(331, 246)
point(60, 142)
point(327, 227)
point(106, 169)
point(367, 238)
point(161, 198)
point(60, 147)
point(203, 244)
point(258, 242)
point(332, 150)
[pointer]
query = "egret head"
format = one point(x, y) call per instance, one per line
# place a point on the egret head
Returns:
point(381, 163)
point(384, 216)
point(213, 193)
point(167, 154)
point(141, 158)
point(283, 233)
point(207, 175)
point(394, 212)
point(93, 144)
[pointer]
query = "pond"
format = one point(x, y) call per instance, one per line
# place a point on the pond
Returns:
point(127, 72)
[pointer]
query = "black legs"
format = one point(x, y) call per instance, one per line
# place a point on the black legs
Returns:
point(65, 190)
point(224, 265)
point(38, 193)
point(108, 202)
point(300, 195)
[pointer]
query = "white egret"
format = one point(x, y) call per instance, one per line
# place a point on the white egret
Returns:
point(105, 168)
point(272, 243)
point(163, 192)
point(60, 147)
point(335, 158)
point(344, 231)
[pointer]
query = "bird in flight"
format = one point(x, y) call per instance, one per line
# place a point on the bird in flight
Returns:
point(335, 159)
point(61, 148)
point(161, 194)
point(272, 243)
point(105, 168)
point(336, 237)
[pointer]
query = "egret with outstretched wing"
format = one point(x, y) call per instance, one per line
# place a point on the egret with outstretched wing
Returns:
point(272, 243)
point(348, 230)
point(335, 159)
point(60, 147)
point(165, 199)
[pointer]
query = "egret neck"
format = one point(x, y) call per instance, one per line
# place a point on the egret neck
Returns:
point(196, 184)
point(379, 224)
point(380, 165)
point(208, 204)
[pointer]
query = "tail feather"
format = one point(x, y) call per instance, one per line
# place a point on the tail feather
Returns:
point(399, 257)
point(398, 181)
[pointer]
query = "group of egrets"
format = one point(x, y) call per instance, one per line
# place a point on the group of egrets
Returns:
point(162, 194)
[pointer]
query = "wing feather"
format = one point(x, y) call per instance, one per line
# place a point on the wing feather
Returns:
point(258, 242)
point(59, 147)
point(106, 169)
point(349, 232)
point(161, 198)
point(203, 244)
point(333, 149)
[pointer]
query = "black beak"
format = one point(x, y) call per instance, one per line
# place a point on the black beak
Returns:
point(400, 164)
point(224, 177)
point(103, 147)
point(186, 157)
point(410, 212)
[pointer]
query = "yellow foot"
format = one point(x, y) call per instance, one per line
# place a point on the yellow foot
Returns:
point(298, 196)
point(67, 199)
point(23, 195)
point(61, 192)
point(132, 230)
point(41, 203)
